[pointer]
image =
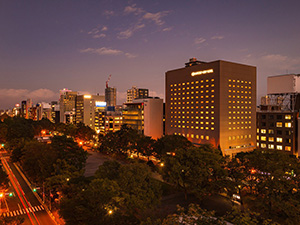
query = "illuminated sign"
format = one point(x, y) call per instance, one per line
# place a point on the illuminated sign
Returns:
point(87, 96)
point(202, 72)
point(100, 104)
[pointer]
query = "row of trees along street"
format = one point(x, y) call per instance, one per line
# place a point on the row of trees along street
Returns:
point(265, 182)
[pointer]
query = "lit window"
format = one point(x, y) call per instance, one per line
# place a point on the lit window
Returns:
point(207, 137)
point(279, 147)
point(263, 138)
point(279, 124)
point(288, 117)
point(279, 139)
point(263, 145)
point(288, 148)
point(288, 124)
point(271, 139)
point(270, 146)
point(263, 131)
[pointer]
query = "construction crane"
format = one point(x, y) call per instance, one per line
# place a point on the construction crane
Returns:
point(108, 80)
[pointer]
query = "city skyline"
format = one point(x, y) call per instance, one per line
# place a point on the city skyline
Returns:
point(48, 46)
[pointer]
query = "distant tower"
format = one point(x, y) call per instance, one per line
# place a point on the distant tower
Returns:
point(25, 108)
point(67, 102)
point(110, 95)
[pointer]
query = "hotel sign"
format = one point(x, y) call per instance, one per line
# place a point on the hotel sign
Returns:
point(201, 72)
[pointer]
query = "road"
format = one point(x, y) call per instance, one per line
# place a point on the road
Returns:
point(24, 203)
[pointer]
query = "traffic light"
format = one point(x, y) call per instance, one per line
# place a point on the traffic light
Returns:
point(2, 145)
point(10, 194)
point(34, 189)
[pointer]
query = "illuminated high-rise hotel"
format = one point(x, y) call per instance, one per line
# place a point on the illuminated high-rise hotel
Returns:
point(213, 103)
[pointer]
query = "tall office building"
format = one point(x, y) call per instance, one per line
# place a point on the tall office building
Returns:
point(67, 103)
point(136, 93)
point(86, 106)
point(111, 96)
point(146, 116)
point(43, 110)
point(26, 106)
point(213, 103)
point(277, 117)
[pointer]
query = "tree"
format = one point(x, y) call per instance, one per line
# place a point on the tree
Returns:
point(69, 150)
point(144, 146)
point(138, 189)
point(194, 215)
point(96, 205)
point(119, 194)
point(238, 217)
point(3, 178)
point(272, 184)
point(170, 143)
point(196, 170)
point(37, 160)
point(84, 133)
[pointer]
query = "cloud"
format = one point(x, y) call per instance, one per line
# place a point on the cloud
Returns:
point(133, 9)
point(102, 51)
point(106, 51)
point(199, 40)
point(167, 29)
point(156, 17)
point(108, 13)
point(9, 97)
point(141, 16)
point(156, 94)
point(274, 63)
point(95, 32)
point(217, 37)
point(99, 35)
point(130, 31)
point(129, 55)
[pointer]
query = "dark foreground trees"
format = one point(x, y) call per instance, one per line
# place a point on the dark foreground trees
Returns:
point(119, 194)
point(195, 170)
point(271, 184)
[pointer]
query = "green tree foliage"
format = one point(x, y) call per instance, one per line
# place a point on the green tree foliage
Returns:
point(144, 146)
point(196, 170)
point(3, 178)
point(18, 127)
point(238, 217)
point(194, 215)
point(119, 194)
point(37, 160)
point(43, 124)
point(120, 142)
point(84, 133)
point(170, 143)
point(271, 186)
point(139, 190)
point(69, 150)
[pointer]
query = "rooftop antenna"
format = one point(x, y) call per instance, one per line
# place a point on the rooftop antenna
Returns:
point(108, 80)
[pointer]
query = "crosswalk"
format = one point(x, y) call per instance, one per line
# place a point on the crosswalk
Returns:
point(23, 211)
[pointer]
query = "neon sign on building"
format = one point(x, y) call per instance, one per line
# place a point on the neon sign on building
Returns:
point(202, 72)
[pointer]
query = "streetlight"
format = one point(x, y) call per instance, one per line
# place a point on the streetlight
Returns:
point(1, 196)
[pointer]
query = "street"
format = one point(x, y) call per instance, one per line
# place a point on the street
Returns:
point(23, 202)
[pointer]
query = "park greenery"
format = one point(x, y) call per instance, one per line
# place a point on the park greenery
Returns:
point(266, 182)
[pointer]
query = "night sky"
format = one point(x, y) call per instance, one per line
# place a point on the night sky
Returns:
point(49, 45)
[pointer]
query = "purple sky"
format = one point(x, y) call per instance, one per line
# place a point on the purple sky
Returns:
point(46, 46)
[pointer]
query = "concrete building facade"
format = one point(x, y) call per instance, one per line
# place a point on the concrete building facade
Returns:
point(136, 93)
point(213, 103)
point(146, 116)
